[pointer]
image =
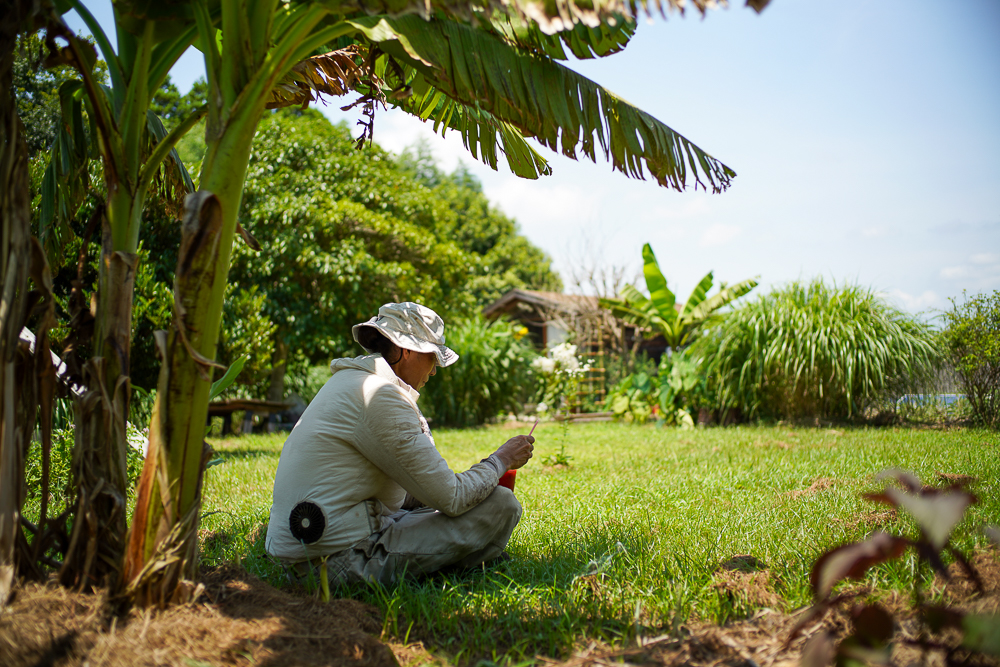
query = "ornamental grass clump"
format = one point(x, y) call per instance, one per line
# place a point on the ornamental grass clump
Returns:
point(816, 350)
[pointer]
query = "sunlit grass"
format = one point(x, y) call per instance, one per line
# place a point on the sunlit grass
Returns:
point(627, 538)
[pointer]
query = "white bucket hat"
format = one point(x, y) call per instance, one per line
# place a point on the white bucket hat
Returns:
point(413, 327)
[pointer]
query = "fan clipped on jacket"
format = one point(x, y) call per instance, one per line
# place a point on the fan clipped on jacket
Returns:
point(306, 522)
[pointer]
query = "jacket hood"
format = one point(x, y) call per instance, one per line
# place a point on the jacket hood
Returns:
point(365, 363)
point(375, 364)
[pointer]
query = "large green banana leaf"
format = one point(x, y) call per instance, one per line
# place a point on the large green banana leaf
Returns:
point(725, 296)
point(562, 109)
point(551, 16)
point(661, 296)
point(659, 312)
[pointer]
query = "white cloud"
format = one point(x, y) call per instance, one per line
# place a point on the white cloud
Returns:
point(954, 272)
point(719, 234)
point(980, 272)
point(534, 203)
point(872, 232)
point(916, 303)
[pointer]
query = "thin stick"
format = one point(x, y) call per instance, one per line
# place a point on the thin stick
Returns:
point(533, 427)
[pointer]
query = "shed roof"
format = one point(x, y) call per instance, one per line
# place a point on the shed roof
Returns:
point(566, 303)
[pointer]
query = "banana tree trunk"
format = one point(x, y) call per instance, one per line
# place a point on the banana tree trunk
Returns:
point(100, 454)
point(161, 559)
point(15, 217)
point(27, 379)
point(161, 556)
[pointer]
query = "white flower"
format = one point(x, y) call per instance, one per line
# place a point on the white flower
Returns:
point(544, 365)
point(564, 354)
point(541, 407)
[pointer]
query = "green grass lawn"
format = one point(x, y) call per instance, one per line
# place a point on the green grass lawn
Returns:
point(627, 538)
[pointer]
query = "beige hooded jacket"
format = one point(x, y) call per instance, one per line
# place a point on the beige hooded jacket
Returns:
point(358, 449)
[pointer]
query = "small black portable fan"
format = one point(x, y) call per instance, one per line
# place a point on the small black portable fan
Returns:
point(307, 522)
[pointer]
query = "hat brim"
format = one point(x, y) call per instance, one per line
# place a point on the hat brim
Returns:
point(445, 355)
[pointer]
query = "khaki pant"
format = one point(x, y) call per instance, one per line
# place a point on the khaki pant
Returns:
point(423, 541)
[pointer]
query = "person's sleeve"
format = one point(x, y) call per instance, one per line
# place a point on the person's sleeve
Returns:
point(390, 436)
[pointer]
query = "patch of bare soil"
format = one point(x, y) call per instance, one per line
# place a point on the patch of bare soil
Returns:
point(762, 641)
point(240, 620)
point(819, 484)
point(955, 478)
point(871, 519)
point(753, 588)
point(747, 580)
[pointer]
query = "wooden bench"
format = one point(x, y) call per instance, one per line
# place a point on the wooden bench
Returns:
point(250, 406)
point(584, 417)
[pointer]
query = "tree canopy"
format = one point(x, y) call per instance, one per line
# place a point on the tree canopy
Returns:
point(343, 231)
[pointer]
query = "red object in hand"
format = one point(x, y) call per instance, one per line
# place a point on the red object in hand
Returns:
point(507, 479)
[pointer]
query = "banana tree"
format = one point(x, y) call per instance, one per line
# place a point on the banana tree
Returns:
point(682, 384)
point(132, 146)
point(486, 69)
point(27, 377)
point(660, 314)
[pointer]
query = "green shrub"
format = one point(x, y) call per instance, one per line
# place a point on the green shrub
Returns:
point(492, 376)
point(634, 398)
point(815, 350)
point(972, 338)
point(619, 367)
point(61, 471)
point(673, 395)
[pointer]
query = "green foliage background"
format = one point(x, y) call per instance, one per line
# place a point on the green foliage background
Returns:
point(972, 338)
point(492, 376)
point(342, 232)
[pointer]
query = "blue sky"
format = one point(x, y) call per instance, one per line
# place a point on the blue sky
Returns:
point(865, 136)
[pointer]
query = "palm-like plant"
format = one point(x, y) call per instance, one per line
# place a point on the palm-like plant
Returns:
point(659, 312)
point(133, 147)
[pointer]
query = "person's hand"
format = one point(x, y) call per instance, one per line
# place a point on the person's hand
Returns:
point(515, 452)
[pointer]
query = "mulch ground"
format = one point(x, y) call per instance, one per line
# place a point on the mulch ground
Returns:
point(241, 620)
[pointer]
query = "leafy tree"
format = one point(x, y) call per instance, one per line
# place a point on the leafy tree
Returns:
point(972, 337)
point(36, 88)
point(659, 313)
point(360, 230)
point(506, 259)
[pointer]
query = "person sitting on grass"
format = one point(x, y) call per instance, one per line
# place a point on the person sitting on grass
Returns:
point(360, 484)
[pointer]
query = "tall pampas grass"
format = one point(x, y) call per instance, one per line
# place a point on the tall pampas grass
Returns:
point(816, 350)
